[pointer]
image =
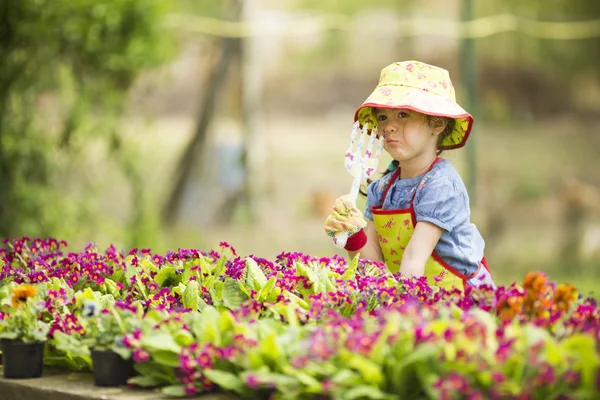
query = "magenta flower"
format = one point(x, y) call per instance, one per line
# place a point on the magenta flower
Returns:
point(204, 360)
point(140, 356)
point(187, 363)
point(190, 390)
point(252, 381)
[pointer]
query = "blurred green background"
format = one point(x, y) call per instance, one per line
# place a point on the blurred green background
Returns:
point(183, 123)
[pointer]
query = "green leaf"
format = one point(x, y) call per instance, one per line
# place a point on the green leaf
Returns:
point(167, 358)
point(201, 304)
point(322, 287)
point(206, 328)
point(162, 341)
point(312, 384)
point(203, 267)
point(167, 277)
point(8, 335)
point(219, 268)
point(380, 346)
point(145, 381)
point(226, 322)
point(264, 293)
point(297, 300)
point(365, 392)
point(70, 345)
point(421, 353)
point(584, 347)
point(64, 362)
point(269, 347)
point(163, 374)
point(112, 288)
point(243, 288)
point(371, 372)
point(183, 337)
point(351, 271)
point(305, 270)
point(87, 294)
point(225, 380)
point(174, 390)
point(188, 272)
point(347, 377)
point(106, 300)
point(190, 295)
point(232, 295)
point(254, 271)
point(123, 352)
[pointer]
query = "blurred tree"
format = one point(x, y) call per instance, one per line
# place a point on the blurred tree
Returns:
point(536, 75)
point(223, 89)
point(85, 55)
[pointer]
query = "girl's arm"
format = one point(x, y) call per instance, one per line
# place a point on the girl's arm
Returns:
point(371, 249)
point(419, 249)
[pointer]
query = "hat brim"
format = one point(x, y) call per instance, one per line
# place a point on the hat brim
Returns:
point(419, 101)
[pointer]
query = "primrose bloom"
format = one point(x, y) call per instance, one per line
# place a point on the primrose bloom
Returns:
point(190, 389)
point(252, 381)
point(90, 309)
point(140, 356)
point(187, 362)
point(22, 293)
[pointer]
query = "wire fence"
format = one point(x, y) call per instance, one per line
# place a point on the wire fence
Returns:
point(474, 29)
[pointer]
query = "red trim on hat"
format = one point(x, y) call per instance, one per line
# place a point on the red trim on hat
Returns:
point(465, 115)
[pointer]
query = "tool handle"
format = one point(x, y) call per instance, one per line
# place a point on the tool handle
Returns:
point(340, 238)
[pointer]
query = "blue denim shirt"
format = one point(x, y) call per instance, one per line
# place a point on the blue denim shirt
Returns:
point(442, 200)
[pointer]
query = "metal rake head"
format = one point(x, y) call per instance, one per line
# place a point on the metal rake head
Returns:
point(362, 155)
point(361, 159)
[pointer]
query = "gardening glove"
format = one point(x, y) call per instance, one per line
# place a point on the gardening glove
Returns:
point(344, 217)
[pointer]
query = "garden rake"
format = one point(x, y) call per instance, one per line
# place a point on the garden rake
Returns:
point(360, 164)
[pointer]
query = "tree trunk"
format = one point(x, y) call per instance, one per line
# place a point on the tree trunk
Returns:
point(196, 146)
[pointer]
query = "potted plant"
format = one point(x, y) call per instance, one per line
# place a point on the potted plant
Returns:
point(23, 333)
point(112, 362)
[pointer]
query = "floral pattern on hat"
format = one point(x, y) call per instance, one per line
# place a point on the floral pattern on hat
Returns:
point(420, 87)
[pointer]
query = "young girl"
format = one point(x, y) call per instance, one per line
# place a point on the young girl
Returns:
point(417, 214)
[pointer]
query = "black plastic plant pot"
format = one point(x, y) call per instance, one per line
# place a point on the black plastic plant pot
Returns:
point(22, 360)
point(110, 369)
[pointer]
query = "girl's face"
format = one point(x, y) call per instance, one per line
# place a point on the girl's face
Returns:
point(407, 133)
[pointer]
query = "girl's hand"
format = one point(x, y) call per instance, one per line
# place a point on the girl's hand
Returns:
point(344, 217)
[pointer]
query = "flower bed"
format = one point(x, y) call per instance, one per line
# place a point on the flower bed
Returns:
point(299, 327)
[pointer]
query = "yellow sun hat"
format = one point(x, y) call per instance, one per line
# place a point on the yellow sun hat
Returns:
point(420, 87)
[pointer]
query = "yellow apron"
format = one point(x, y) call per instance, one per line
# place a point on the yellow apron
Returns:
point(394, 230)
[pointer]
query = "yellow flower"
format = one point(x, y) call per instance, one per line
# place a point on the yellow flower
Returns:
point(22, 293)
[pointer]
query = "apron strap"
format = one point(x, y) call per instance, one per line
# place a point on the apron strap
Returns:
point(437, 159)
point(396, 175)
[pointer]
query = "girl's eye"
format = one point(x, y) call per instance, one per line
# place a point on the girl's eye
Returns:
point(402, 114)
point(381, 118)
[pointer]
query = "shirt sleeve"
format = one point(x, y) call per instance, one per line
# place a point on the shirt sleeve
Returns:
point(374, 195)
point(442, 202)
